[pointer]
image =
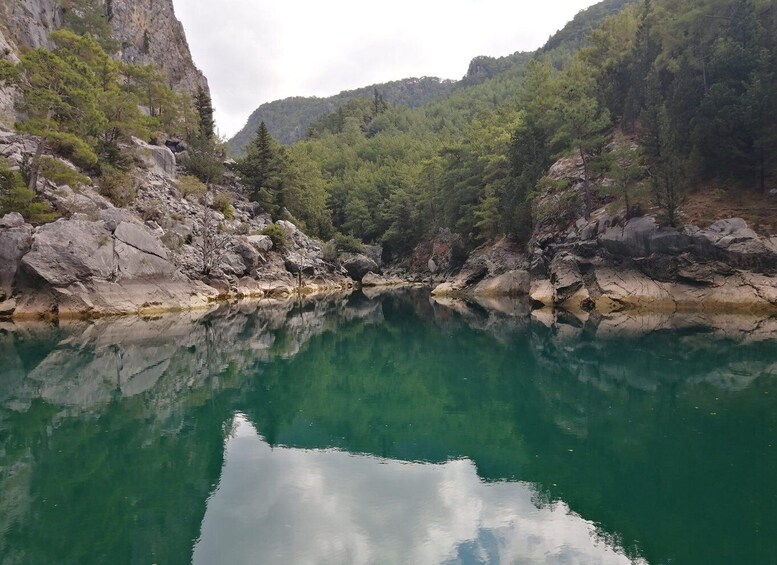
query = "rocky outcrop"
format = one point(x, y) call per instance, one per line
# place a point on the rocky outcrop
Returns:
point(15, 242)
point(150, 34)
point(146, 32)
point(99, 259)
point(358, 265)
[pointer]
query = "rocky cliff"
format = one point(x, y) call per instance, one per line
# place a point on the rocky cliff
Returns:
point(609, 263)
point(143, 31)
point(166, 250)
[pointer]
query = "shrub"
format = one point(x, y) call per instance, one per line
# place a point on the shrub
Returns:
point(204, 161)
point(278, 235)
point(59, 173)
point(191, 186)
point(152, 210)
point(72, 148)
point(329, 252)
point(117, 186)
point(16, 197)
point(348, 243)
point(223, 203)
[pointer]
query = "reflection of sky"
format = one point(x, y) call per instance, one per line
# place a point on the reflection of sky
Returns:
point(293, 506)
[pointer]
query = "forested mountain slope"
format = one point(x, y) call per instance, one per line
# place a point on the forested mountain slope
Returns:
point(690, 83)
point(288, 119)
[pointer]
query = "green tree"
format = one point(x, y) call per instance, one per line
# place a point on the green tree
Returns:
point(262, 170)
point(16, 197)
point(580, 121)
point(204, 108)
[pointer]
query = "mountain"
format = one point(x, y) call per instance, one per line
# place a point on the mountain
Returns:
point(288, 119)
point(135, 31)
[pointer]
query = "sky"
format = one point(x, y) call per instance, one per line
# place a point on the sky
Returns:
point(257, 51)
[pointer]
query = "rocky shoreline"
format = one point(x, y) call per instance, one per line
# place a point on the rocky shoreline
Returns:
point(150, 256)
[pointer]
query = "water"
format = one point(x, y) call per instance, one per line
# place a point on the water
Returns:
point(391, 430)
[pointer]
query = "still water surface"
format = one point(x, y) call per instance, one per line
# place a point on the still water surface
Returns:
point(388, 430)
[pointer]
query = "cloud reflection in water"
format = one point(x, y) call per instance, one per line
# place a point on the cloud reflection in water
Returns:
point(281, 505)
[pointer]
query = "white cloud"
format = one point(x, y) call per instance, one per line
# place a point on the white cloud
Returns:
point(256, 51)
point(295, 506)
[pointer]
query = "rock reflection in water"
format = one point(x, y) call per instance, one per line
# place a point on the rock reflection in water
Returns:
point(660, 430)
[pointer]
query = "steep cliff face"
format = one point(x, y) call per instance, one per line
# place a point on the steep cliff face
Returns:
point(145, 32)
point(150, 33)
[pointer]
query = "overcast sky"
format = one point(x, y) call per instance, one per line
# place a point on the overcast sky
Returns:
point(257, 51)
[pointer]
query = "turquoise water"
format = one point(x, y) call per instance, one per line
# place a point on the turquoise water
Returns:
point(389, 430)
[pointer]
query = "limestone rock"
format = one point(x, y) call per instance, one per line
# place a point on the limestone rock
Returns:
point(141, 238)
point(358, 265)
point(512, 283)
point(261, 242)
point(12, 220)
point(158, 158)
point(565, 277)
point(15, 242)
point(372, 280)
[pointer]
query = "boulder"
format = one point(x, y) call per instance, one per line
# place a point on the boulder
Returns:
point(541, 293)
point(374, 252)
point(298, 263)
point(565, 277)
point(632, 239)
point(261, 243)
point(158, 158)
point(141, 238)
point(247, 252)
point(372, 280)
point(232, 264)
point(358, 265)
point(512, 283)
point(12, 220)
point(446, 289)
point(15, 242)
point(67, 251)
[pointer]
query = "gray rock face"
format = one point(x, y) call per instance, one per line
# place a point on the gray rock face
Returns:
point(135, 20)
point(74, 251)
point(358, 265)
point(158, 158)
point(729, 240)
point(12, 220)
point(65, 252)
point(261, 243)
point(141, 238)
point(512, 283)
point(565, 277)
point(15, 242)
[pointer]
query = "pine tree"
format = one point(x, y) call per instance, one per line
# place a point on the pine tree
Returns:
point(262, 170)
point(204, 107)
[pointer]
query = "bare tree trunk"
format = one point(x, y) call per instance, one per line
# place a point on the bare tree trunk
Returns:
point(32, 182)
point(586, 184)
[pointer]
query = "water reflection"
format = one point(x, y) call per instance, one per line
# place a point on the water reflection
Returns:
point(314, 506)
point(661, 431)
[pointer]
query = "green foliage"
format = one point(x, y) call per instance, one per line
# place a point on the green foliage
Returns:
point(223, 203)
point(278, 235)
point(204, 108)
point(83, 103)
point(692, 81)
point(90, 17)
point(60, 173)
point(348, 244)
point(191, 186)
point(16, 197)
point(117, 185)
point(205, 160)
point(288, 120)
